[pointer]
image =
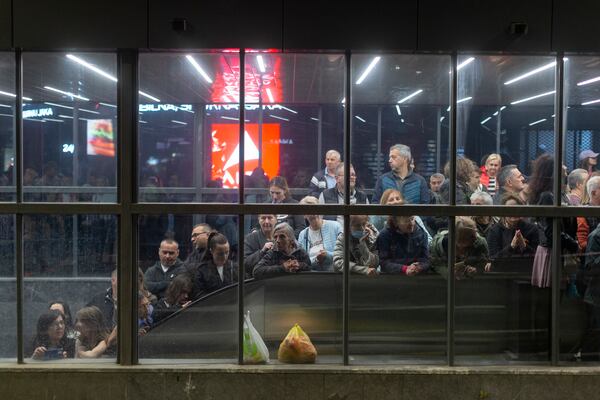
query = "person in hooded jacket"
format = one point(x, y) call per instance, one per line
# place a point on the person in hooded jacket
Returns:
point(285, 257)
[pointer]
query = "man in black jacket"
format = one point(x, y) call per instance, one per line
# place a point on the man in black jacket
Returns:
point(336, 195)
point(259, 241)
point(158, 276)
point(199, 240)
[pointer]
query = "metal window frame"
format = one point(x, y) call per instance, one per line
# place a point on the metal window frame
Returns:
point(129, 208)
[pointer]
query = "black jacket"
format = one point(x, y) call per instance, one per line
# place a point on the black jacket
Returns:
point(331, 196)
point(208, 280)
point(271, 264)
point(162, 310)
point(504, 257)
point(253, 245)
point(157, 280)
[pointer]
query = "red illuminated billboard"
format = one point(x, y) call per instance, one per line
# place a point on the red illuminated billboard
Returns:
point(225, 151)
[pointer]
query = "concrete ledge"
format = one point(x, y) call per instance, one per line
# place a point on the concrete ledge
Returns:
point(148, 382)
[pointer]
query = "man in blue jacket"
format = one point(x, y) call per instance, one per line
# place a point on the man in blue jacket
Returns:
point(413, 186)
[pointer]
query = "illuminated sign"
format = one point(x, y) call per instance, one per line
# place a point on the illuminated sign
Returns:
point(100, 138)
point(165, 107)
point(226, 152)
point(257, 85)
point(38, 112)
point(250, 107)
point(68, 148)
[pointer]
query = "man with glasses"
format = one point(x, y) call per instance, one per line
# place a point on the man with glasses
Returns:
point(199, 240)
point(158, 276)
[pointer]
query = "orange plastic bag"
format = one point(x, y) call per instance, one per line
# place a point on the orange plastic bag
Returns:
point(297, 348)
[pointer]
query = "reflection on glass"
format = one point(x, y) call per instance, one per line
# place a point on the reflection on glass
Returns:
point(69, 126)
point(294, 123)
point(505, 120)
point(296, 281)
point(502, 274)
point(70, 286)
point(187, 288)
point(188, 144)
point(7, 124)
point(400, 125)
point(8, 320)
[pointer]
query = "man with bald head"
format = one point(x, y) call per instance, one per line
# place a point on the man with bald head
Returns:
point(158, 276)
point(325, 179)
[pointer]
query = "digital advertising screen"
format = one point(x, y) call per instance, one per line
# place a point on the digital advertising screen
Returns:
point(100, 138)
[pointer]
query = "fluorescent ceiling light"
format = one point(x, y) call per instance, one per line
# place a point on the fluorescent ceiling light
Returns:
point(463, 100)
point(149, 96)
point(537, 122)
point(27, 98)
point(448, 109)
point(398, 109)
point(289, 109)
point(533, 97)
point(410, 96)
point(66, 93)
point(142, 122)
point(402, 120)
point(31, 119)
point(7, 94)
point(230, 118)
point(270, 95)
point(57, 105)
point(441, 119)
point(91, 67)
point(178, 122)
point(596, 79)
point(359, 118)
point(276, 117)
point(485, 120)
point(590, 102)
point(198, 68)
point(7, 115)
point(53, 120)
point(463, 64)
point(65, 116)
point(368, 70)
point(108, 105)
point(343, 100)
point(261, 63)
point(5, 106)
point(535, 71)
point(89, 111)
point(314, 119)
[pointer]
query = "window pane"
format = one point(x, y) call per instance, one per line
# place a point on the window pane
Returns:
point(397, 300)
point(7, 126)
point(188, 134)
point(187, 300)
point(579, 323)
point(71, 260)
point(295, 283)
point(505, 120)
point(8, 315)
point(400, 100)
point(69, 127)
point(294, 122)
point(502, 313)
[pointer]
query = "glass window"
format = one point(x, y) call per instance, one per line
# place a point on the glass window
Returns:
point(7, 126)
point(505, 121)
point(188, 132)
point(69, 127)
point(400, 100)
point(70, 267)
point(503, 288)
point(296, 283)
point(8, 345)
point(187, 300)
point(294, 123)
point(579, 323)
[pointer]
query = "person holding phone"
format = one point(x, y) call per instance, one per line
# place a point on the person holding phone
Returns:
point(51, 341)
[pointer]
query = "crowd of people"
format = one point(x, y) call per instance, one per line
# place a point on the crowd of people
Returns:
point(407, 245)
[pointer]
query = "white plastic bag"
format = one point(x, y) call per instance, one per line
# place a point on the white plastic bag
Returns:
point(255, 350)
